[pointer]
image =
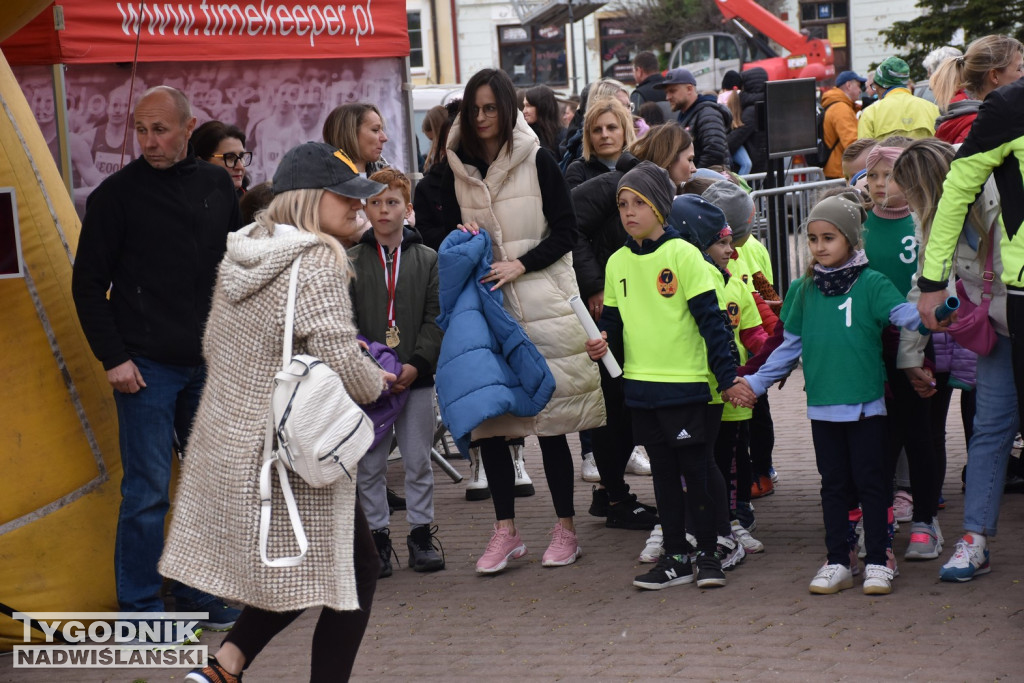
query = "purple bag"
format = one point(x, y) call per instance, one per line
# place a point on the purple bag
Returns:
point(973, 330)
point(385, 410)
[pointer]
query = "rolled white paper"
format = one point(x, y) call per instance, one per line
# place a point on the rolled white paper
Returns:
point(590, 327)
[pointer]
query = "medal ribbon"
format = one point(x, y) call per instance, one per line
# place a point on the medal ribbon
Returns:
point(390, 280)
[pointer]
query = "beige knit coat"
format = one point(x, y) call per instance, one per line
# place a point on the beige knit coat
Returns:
point(213, 542)
point(507, 204)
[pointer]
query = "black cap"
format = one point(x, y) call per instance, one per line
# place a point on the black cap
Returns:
point(317, 165)
point(675, 77)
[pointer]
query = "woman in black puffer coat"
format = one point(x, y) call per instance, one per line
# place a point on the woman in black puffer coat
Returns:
point(757, 140)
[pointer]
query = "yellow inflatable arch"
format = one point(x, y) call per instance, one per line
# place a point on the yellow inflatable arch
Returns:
point(59, 462)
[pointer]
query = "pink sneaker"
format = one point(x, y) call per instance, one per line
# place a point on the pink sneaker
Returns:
point(564, 548)
point(503, 546)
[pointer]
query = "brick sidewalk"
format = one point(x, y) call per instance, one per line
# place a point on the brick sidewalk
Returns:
point(587, 621)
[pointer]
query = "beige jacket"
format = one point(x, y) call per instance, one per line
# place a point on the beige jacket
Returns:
point(213, 542)
point(507, 204)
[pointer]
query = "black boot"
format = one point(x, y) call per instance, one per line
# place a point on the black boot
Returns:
point(395, 502)
point(382, 537)
point(423, 555)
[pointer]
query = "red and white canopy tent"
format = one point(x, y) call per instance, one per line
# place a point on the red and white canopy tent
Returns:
point(241, 53)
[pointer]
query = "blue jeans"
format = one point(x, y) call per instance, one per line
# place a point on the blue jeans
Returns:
point(995, 425)
point(147, 422)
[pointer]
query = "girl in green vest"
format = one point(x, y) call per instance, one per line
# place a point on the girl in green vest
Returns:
point(834, 317)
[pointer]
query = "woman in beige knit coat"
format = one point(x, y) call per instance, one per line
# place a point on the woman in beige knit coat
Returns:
point(214, 537)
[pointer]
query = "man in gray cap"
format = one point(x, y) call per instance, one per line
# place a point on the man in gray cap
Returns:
point(701, 115)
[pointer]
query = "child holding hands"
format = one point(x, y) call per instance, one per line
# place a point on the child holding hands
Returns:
point(659, 305)
point(834, 317)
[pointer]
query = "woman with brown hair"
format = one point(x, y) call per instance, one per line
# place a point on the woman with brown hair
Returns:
point(358, 130)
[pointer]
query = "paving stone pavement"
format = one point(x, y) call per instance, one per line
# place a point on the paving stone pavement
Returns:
point(586, 621)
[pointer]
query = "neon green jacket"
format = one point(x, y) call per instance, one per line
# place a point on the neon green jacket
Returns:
point(994, 147)
point(898, 113)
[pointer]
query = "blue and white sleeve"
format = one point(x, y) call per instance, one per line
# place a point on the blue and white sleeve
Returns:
point(779, 364)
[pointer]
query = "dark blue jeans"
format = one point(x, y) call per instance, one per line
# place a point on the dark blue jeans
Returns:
point(147, 423)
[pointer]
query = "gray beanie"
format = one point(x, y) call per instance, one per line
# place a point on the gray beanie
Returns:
point(844, 212)
point(736, 204)
point(652, 184)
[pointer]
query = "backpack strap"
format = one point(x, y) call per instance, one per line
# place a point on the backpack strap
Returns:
point(272, 459)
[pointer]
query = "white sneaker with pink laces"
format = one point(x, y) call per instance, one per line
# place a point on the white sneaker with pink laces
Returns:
point(564, 548)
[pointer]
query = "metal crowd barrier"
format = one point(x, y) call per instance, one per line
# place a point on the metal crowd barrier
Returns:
point(794, 176)
point(779, 214)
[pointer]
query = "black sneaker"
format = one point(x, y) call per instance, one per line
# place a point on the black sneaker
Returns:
point(423, 555)
point(382, 537)
point(709, 570)
point(630, 514)
point(395, 501)
point(599, 503)
point(671, 570)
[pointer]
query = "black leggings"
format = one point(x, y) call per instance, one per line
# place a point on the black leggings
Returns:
point(733, 462)
point(762, 439)
point(337, 635)
point(501, 474)
point(613, 443)
point(909, 427)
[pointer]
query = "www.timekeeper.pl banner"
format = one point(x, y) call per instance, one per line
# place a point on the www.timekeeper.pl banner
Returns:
point(194, 30)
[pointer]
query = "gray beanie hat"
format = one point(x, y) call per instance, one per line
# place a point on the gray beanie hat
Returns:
point(652, 184)
point(843, 211)
point(736, 204)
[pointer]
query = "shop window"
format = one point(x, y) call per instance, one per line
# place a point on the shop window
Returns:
point(618, 48)
point(533, 56)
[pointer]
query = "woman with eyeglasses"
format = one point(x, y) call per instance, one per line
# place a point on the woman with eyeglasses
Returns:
point(222, 144)
point(502, 182)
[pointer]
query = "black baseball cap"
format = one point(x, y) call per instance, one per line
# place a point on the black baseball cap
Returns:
point(317, 165)
point(675, 77)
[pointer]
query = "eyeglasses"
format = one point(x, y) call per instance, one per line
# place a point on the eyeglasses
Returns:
point(231, 159)
point(489, 110)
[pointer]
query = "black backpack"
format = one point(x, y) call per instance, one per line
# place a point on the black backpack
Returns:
point(824, 151)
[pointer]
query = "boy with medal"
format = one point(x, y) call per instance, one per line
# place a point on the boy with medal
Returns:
point(395, 287)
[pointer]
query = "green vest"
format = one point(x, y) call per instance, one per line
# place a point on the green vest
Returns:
point(891, 247)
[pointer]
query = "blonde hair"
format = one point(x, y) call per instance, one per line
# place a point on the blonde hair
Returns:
point(733, 103)
point(301, 208)
point(603, 89)
point(607, 106)
point(920, 172)
point(969, 71)
point(663, 144)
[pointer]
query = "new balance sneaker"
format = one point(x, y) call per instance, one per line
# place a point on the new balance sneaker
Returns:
point(382, 539)
point(747, 542)
point(970, 559)
point(564, 548)
point(655, 547)
point(423, 546)
point(924, 542)
point(773, 475)
point(589, 469)
point(670, 570)
point(830, 579)
point(877, 579)
point(639, 463)
point(476, 487)
point(903, 506)
point(503, 546)
point(631, 514)
point(598, 502)
point(762, 487)
point(524, 485)
point(213, 672)
point(709, 567)
point(730, 551)
point(745, 514)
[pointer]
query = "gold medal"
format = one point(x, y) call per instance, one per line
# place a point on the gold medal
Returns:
point(391, 336)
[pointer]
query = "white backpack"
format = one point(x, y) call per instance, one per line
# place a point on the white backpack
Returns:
point(314, 429)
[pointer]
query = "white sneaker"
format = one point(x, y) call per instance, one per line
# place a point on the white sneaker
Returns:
point(639, 463)
point(589, 470)
point(524, 485)
point(655, 548)
point(877, 579)
point(832, 578)
point(476, 487)
point(731, 552)
point(749, 543)
point(903, 506)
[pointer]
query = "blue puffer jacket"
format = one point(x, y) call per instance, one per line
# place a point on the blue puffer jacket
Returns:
point(488, 366)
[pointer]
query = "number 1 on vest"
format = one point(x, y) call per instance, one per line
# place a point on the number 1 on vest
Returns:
point(848, 305)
